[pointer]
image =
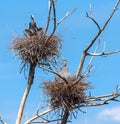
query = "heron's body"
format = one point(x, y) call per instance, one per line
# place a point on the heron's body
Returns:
point(33, 29)
point(64, 72)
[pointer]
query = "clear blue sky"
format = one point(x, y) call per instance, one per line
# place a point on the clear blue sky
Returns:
point(76, 32)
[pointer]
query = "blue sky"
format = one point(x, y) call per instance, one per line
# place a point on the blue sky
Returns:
point(76, 32)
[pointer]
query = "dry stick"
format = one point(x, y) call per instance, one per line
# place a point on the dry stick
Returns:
point(103, 53)
point(90, 17)
point(52, 2)
point(26, 92)
point(49, 70)
point(49, 11)
point(54, 13)
point(91, 59)
point(101, 100)
point(67, 14)
point(37, 116)
point(84, 54)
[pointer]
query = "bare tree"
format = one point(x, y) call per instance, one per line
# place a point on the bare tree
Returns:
point(65, 96)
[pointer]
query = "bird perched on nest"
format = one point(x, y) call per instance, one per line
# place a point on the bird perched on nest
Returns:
point(64, 72)
point(33, 29)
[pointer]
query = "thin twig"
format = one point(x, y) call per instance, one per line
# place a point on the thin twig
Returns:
point(66, 15)
point(100, 100)
point(91, 59)
point(49, 70)
point(37, 116)
point(96, 23)
point(54, 19)
point(49, 12)
point(103, 53)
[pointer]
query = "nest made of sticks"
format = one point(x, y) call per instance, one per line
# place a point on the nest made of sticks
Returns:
point(68, 95)
point(37, 48)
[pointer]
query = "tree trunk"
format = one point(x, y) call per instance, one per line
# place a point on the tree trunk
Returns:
point(26, 92)
point(65, 116)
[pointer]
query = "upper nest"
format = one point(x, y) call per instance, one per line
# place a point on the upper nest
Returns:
point(66, 95)
point(37, 48)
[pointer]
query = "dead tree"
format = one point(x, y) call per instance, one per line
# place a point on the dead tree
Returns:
point(64, 96)
point(57, 90)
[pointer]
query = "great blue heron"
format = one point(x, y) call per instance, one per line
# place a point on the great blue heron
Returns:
point(64, 72)
point(33, 29)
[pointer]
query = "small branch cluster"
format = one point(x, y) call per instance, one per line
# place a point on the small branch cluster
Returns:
point(104, 99)
point(101, 29)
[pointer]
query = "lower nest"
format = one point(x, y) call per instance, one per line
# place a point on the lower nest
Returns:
point(37, 48)
point(68, 95)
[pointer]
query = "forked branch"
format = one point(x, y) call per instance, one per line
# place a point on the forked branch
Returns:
point(51, 4)
point(85, 51)
point(96, 23)
point(37, 116)
point(103, 53)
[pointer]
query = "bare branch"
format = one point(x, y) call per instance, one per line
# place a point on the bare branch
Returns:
point(49, 11)
point(79, 70)
point(104, 46)
point(66, 15)
point(49, 70)
point(54, 19)
point(45, 120)
point(37, 116)
point(87, 68)
point(100, 100)
point(103, 53)
point(90, 17)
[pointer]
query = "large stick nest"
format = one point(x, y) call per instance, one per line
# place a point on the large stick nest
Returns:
point(68, 95)
point(37, 49)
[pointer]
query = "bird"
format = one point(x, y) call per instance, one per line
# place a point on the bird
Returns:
point(40, 31)
point(33, 29)
point(32, 26)
point(65, 73)
point(27, 33)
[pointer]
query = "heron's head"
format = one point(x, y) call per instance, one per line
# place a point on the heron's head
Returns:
point(64, 63)
point(32, 17)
